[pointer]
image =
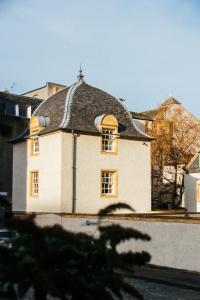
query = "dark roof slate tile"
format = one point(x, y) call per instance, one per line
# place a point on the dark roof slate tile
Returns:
point(85, 105)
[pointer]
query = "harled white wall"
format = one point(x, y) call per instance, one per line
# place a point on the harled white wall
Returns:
point(190, 181)
point(134, 174)
point(49, 165)
point(54, 164)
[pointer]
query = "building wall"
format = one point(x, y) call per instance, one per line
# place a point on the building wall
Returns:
point(20, 157)
point(132, 164)
point(173, 245)
point(191, 180)
point(49, 165)
point(10, 127)
point(45, 92)
point(54, 164)
point(41, 93)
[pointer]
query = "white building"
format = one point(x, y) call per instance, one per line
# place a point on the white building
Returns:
point(82, 152)
point(192, 184)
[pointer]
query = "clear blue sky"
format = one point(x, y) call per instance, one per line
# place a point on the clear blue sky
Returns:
point(139, 50)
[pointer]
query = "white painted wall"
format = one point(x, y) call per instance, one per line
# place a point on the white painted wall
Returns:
point(173, 245)
point(191, 180)
point(54, 164)
point(132, 163)
point(49, 165)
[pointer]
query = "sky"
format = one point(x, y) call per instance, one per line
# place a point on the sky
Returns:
point(139, 50)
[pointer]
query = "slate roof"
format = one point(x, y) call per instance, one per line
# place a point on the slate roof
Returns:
point(151, 113)
point(76, 107)
point(8, 102)
point(19, 99)
point(141, 116)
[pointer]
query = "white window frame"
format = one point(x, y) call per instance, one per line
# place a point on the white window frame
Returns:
point(109, 184)
point(108, 140)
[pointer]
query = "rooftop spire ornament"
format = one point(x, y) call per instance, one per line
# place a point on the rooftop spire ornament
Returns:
point(80, 75)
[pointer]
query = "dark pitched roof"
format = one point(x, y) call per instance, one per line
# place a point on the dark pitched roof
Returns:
point(19, 99)
point(140, 116)
point(77, 106)
point(151, 113)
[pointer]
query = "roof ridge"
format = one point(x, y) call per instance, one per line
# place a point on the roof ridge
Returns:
point(132, 120)
point(68, 103)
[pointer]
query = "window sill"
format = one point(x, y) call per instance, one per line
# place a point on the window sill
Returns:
point(109, 152)
point(108, 196)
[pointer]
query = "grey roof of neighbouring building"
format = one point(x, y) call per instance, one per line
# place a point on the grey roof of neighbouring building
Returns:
point(140, 116)
point(76, 107)
point(19, 99)
point(8, 102)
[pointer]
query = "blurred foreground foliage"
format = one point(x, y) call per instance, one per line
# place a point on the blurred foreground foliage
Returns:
point(54, 262)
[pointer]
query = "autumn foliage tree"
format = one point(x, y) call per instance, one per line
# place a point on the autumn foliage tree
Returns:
point(52, 261)
point(177, 139)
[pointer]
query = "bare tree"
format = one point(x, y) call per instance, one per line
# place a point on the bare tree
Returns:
point(177, 139)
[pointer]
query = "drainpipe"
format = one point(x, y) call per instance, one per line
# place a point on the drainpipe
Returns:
point(74, 172)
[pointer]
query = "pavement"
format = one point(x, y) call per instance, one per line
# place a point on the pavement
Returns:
point(169, 276)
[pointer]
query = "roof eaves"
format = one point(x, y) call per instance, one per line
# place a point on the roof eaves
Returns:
point(140, 116)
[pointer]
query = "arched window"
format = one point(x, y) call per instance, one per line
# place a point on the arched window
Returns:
point(108, 126)
point(34, 139)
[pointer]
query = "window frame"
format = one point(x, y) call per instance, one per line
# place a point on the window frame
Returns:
point(34, 137)
point(32, 188)
point(114, 140)
point(115, 183)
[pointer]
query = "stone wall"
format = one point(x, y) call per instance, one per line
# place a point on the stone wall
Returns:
point(174, 243)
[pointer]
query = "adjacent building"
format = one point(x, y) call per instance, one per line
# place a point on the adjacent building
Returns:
point(177, 139)
point(45, 91)
point(15, 111)
point(192, 184)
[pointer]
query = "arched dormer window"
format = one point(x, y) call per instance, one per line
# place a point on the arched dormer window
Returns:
point(108, 125)
point(34, 139)
point(36, 124)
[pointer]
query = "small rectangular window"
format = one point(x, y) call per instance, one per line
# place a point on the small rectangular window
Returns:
point(35, 145)
point(108, 183)
point(108, 140)
point(34, 183)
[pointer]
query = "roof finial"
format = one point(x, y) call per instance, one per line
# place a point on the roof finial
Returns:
point(80, 75)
